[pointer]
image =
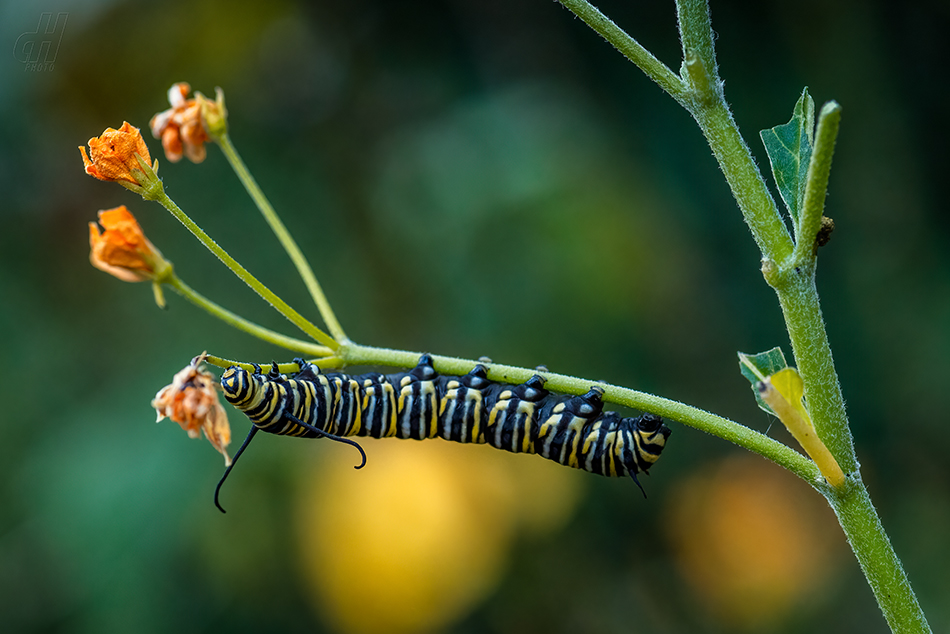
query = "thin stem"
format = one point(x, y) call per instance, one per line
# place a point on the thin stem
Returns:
point(352, 354)
point(280, 305)
point(327, 362)
point(629, 47)
point(286, 240)
point(696, 36)
point(296, 345)
point(816, 183)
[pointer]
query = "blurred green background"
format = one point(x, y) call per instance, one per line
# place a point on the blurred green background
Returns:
point(468, 178)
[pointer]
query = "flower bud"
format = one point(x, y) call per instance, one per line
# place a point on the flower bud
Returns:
point(112, 154)
point(121, 248)
point(192, 401)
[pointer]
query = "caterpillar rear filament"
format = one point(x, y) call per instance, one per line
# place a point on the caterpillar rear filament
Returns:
point(420, 403)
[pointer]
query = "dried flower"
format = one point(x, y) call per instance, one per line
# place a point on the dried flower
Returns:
point(192, 401)
point(113, 154)
point(122, 249)
point(182, 127)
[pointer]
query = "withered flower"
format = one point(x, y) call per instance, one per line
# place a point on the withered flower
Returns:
point(192, 401)
point(182, 127)
point(112, 154)
point(122, 249)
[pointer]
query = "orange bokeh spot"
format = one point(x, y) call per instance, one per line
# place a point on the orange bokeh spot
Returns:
point(752, 540)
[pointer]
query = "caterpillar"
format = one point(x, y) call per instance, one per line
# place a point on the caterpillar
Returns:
point(420, 403)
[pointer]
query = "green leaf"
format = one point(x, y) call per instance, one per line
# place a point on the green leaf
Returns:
point(789, 147)
point(758, 367)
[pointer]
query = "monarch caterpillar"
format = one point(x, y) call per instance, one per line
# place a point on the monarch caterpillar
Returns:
point(420, 403)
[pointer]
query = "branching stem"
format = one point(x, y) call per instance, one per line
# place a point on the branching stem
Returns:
point(286, 240)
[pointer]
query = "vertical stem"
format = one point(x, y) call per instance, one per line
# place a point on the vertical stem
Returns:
point(696, 35)
point(806, 330)
point(286, 240)
point(816, 183)
point(749, 189)
point(877, 558)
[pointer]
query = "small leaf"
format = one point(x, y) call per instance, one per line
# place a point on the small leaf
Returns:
point(789, 147)
point(758, 367)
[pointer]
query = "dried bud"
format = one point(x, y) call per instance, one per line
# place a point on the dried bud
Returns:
point(183, 128)
point(113, 154)
point(122, 249)
point(192, 401)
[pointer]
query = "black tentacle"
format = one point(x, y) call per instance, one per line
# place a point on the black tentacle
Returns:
point(327, 434)
point(247, 441)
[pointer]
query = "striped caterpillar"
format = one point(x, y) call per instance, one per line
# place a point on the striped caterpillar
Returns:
point(420, 403)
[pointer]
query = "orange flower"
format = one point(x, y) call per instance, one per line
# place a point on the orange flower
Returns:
point(181, 128)
point(192, 401)
point(113, 154)
point(122, 249)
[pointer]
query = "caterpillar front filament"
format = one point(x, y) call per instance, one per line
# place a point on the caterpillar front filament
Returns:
point(571, 430)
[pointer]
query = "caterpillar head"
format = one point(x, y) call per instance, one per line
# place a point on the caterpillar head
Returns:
point(651, 435)
point(237, 384)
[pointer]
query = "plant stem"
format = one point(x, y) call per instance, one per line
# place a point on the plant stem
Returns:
point(286, 240)
point(297, 345)
point(816, 183)
point(745, 181)
point(877, 558)
point(352, 354)
point(794, 284)
point(280, 305)
point(798, 298)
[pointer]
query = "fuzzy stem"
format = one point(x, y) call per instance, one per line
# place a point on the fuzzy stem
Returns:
point(794, 286)
point(816, 183)
point(877, 558)
point(352, 354)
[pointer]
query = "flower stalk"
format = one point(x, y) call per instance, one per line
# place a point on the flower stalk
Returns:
point(286, 240)
point(232, 319)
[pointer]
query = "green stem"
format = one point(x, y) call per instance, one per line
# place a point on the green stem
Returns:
point(798, 297)
point(794, 285)
point(286, 240)
point(877, 558)
point(696, 35)
point(240, 323)
point(816, 183)
point(715, 120)
point(703, 99)
point(280, 305)
point(749, 189)
point(352, 354)
point(629, 47)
